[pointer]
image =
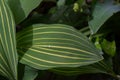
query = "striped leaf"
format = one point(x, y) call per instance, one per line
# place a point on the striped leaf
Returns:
point(8, 53)
point(100, 67)
point(48, 46)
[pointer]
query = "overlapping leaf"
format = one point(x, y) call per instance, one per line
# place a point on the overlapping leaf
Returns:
point(8, 53)
point(49, 46)
point(22, 8)
point(30, 73)
point(101, 13)
point(100, 67)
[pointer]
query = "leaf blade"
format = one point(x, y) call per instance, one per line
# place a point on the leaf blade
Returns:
point(30, 73)
point(55, 46)
point(8, 51)
point(21, 9)
point(101, 13)
point(99, 67)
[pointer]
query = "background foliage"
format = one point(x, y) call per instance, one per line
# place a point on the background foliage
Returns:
point(59, 39)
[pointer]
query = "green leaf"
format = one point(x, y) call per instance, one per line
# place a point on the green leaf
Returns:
point(109, 47)
point(101, 13)
point(22, 8)
point(30, 73)
point(48, 46)
point(100, 67)
point(8, 53)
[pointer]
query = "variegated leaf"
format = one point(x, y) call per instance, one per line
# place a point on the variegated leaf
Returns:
point(8, 53)
point(48, 46)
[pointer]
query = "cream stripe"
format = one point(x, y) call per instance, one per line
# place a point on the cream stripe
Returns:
point(2, 73)
point(54, 33)
point(25, 59)
point(43, 28)
point(5, 37)
point(11, 41)
point(56, 54)
point(53, 62)
point(40, 65)
point(78, 43)
point(3, 60)
point(62, 51)
point(4, 70)
point(69, 48)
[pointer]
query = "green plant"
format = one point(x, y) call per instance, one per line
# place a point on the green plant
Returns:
point(46, 40)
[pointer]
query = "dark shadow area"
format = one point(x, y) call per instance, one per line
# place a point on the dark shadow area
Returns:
point(3, 78)
point(22, 47)
point(22, 44)
point(51, 76)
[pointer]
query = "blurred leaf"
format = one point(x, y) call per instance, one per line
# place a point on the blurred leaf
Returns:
point(63, 15)
point(48, 46)
point(80, 2)
point(101, 13)
point(66, 15)
point(30, 73)
point(50, 0)
point(8, 53)
point(22, 8)
point(109, 47)
point(78, 5)
point(60, 3)
point(35, 19)
point(85, 31)
point(97, 43)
